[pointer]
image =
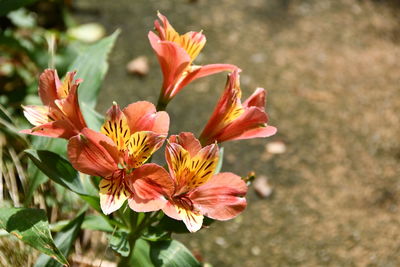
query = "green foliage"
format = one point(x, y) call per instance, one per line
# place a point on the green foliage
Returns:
point(92, 66)
point(31, 226)
point(57, 168)
point(171, 253)
point(10, 5)
point(141, 254)
point(120, 243)
point(64, 241)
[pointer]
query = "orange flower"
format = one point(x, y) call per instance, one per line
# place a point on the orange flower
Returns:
point(176, 54)
point(233, 120)
point(198, 191)
point(118, 154)
point(60, 115)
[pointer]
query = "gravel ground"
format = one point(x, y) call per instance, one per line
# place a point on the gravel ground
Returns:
point(331, 69)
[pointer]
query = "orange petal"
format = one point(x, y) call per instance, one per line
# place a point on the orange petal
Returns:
point(142, 116)
point(47, 86)
point(222, 197)
point(188, 141)
point(93, 153)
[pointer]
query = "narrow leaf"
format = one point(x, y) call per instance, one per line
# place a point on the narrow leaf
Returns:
point(92, 66)
point(57, 169)
point(64, 241)
point(31, 227)
point(141, 254)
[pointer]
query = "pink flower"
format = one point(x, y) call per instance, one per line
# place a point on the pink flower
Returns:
point(60, 115)
point(198, 192)
point(176, 54)
point(232, 120)
point(127, 140)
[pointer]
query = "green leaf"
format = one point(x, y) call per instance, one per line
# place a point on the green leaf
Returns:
point(36, 178)
point(171, 253)
point(119, 242)
point(64, 241)
point(94, 120)
point(141, 254)
point(91, 66)
point(10, 5)
point(31, 226)
point(57, 169)
point(220, 161)
point(156, 234)
point(95, 222)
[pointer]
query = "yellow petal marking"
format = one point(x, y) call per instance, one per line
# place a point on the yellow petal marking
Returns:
point(141, 146)
point(191, 173)
point(113, 194)
point(118, 130)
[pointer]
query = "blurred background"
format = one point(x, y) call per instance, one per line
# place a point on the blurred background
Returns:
point(328, 187)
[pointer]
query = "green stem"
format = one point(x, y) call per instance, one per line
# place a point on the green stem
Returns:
point(161, 103)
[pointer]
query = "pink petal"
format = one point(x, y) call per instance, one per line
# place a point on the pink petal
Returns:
point(170, 210)
point(47, 86)
point(257, 99)
point(93, 153)
point(222, 197)
point(188, 141)
point(145, 205)
point(36, 115)
point(142, 116)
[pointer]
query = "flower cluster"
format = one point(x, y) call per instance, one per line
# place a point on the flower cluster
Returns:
point(188, 187)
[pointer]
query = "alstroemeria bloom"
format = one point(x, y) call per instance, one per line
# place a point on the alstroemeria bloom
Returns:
point(127, 140)
point(198, 192)
point(176, 54)
point(233, 120)
point(60, 115)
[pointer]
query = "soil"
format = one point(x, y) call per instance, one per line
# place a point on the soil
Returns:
point(331, 69)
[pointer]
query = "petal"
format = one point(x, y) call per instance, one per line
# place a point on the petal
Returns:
point(189, 172)
point(70, 109)
point(142, 145)
point(112, 194)
point(47, 86)
point(193, 220)
point(173, 60)
point(201, 71)
point(55, 129)
point(253, 118)
point(116, 127)
point(222, 197)
point(150, 181)
point(228, 108)
point(36, 115)
point(180, 210)
point(261, 132)
point(257, 99)
point(93, 153)
point(188, 141)
point(144, 205)
point(142, 116)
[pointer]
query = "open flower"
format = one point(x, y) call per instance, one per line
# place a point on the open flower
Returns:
point(176, 54)
point(233, 120)
point(198, 192)
point(127, 140)
point(60, 115)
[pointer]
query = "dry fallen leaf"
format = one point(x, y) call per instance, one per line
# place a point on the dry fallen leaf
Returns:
point(138, 66)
